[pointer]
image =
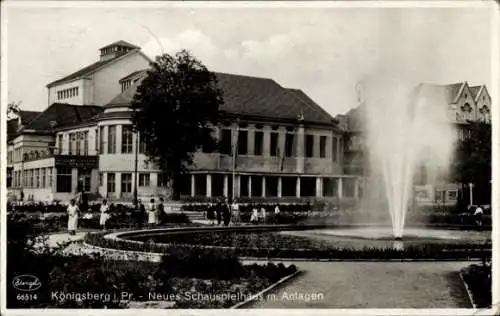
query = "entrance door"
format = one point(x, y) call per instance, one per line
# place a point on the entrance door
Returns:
point(84, 180)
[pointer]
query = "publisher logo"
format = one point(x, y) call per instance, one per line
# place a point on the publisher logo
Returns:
point(26, 282)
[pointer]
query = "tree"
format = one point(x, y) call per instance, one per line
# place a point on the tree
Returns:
point(473, 159)
point(174, 108)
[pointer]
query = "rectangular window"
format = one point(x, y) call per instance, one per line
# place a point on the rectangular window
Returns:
point(142, 145)
point(43, 183)
point(309, 146)
point(161, 180)
point(100, 179)
point(127, 139)
point(258, 142)
point(335, 144)
point(49, 177)
point(37, 178)
point(322, 146)
point(112, 139)
point(85, 143)
point(111, 183)
point(78, 141)
point(63, 179)
point(289, 144)
point(126, 184)
point(60, 144)
point(274, 144)
point(225, 142)
point(144, 180)
point(242, 142)
point(101, 140)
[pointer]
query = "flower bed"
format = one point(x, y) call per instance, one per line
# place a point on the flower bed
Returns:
point(275, 245)
point(478, 280)
point(188, 276)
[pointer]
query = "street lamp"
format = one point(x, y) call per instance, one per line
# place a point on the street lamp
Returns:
point(471, 201)
point(136, 159)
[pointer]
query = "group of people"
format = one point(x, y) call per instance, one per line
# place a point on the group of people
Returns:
point(226, 214)
point(153, 214)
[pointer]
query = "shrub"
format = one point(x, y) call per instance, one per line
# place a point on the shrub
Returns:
point(478, 279)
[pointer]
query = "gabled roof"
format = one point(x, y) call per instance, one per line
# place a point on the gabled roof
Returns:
point(475, 91)
point(64, 115)
point(451, 92)
point(121, 43)
point(253, 96)
point(90, 69)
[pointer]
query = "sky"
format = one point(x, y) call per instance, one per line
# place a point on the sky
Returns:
point(324, 51)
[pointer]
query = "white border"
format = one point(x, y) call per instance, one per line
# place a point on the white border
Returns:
point(494, 89)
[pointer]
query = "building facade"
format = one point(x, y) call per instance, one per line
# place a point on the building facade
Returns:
point(274, 142)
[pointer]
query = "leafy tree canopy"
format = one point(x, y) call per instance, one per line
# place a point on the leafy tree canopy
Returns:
point(473, 155)
point(174, 107)
point(13, 108)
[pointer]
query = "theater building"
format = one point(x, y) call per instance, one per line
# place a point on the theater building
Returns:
point(275, 142)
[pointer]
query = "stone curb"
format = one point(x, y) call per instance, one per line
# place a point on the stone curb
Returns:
point(469, 293)
point(269, 288)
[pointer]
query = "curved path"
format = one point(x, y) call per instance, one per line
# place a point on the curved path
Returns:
point(371, 285)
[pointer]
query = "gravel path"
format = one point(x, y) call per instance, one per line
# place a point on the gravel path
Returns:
point(372, 285)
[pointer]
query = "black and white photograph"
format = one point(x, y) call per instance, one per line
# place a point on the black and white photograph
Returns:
point(250, 156)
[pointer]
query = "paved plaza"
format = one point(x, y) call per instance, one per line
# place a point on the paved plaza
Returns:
point(372, 285)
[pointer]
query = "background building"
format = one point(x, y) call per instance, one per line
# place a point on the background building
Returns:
point(275, 142)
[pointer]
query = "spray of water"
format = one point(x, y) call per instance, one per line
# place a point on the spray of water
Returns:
point(408, 127)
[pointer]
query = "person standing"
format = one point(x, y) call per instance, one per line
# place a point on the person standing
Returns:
point(218, 211)
point(226, 214)
point(263, 214)
point(277, 209)
point(236, 212)
point(72, 217)
point(478, 214)
point(152, 213)
point(104, 214)
point(141, 216)
point(161, 211)
point(211, 214)
point(254, 218)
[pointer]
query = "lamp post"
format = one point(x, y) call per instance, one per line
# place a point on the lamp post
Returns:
point(136, 159)
point(471, 201)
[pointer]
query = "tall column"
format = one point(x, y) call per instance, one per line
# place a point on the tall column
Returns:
point(105, 138)
point(300, 149)
point(118, 185)
point(279, 187)
point(297, 187)
point(74, 180)
point(319, 187)
point(209, 185)
point(119, 138)
point(251, 139)
point(226, 186)
point(104, 190)
point(356, 188)
point(94, 180)
point(237, 187)
point(193, 185)
point(339, 187)
point(266, 141)
point(249, 186)
point(263, 186)
point(316, 149)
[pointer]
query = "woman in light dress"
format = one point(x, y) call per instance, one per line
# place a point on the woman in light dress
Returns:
point(254, 218)
point(104, 214)
point(263, 214)
point(72, 217)
point(152, 213)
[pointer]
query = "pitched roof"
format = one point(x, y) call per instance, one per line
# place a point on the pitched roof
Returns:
point(64, 115)
point(121, 43)
point(23, 117)
point(85, 71)
point(450, 91)
point(135, 74)
point(254, 96)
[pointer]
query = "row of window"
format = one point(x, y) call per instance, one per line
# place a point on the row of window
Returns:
point(109, 142)
point(126, 181)
point(33, 178)
point(67, 93)
point(289, 150)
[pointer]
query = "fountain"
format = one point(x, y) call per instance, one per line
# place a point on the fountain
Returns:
point(407, 128)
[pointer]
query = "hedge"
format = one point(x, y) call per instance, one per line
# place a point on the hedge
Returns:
point(478, 280)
